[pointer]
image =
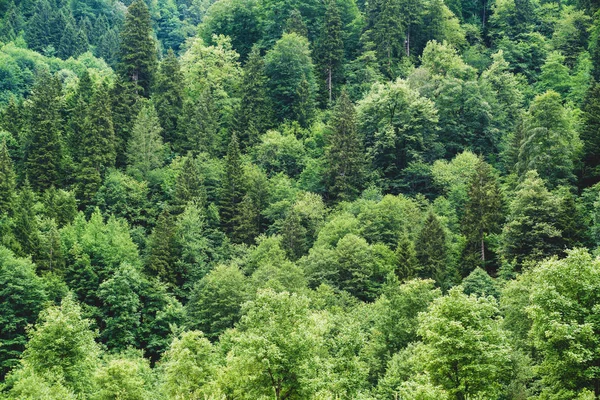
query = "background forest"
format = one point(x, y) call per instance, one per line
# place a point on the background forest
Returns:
point(285, 199)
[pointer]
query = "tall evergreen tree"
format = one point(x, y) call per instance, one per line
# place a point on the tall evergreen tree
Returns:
point(78, 112)
point(145, 147)
point(189, 185)
point(168, 97)
point(345, 154)
point(137, 61)
point(38, 33)
point(330, 51)
point(406, 254)
point(25, 229)
point(44, 153)
point(7, 181)
point(590, 135)
point(482, 216)
point(97, 145)
point(432, 252)
point(232, 190)
point(255, 113)
point(161, 249)
point(125, 108)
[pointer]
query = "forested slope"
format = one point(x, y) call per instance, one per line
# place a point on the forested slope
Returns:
point(285, 199)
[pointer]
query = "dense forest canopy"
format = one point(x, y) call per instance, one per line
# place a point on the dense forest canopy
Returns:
point(300, 199)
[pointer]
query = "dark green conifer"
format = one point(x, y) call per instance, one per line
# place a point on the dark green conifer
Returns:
point(7, 181)
point(232, 190)
point(168, 97)
point(408, 265)
point(137, 61)
point(330, 52)
point(38, 31)
point(25, 229)
point(432, 250)
point(590, 135)
point(345, 154)
point(44, 154)
point(161, 249)
point(125, 108)
point(189, 186)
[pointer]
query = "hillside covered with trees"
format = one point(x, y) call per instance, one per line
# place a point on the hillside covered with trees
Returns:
point(300, 199)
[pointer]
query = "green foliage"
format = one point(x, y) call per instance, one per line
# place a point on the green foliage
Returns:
point(145, 147)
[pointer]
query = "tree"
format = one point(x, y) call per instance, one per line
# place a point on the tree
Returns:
point(408, 265)
point(432, 251)
point(386, 32)
point(161, 249)
point(37, 32)
point(137, 57)
point(464, 348)
point(189, 185)
point(550, 144)
point(168, 97)
point(22, 297)
point(255, 112)
point(329, 51)
point(345, 153)
point(25, 227)
point(232, 191)
point(127, 376)
point(590, 136)
point(44, 153)
point(7, 181)
point(287, 65)
point(145, 147)
point(97, 145)
point(530, 232)
point(125, 109)
point(61, 347)
point(483, 212)
point(216, 301)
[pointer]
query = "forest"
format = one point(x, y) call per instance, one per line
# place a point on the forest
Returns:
point(300, 199)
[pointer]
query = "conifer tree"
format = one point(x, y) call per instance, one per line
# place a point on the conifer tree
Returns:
point(7, 181)
point(145, 147)
point(482, 216)
point(44, 156)
point(432, 250)
point(345, 154)
point(97, 145)
point(295, 24)
point(125, 108)
point(590, 135)
point(232, 190)
point(304, 107)
point(168, 97)
point(330, 51)
point(25, 229)
point(11, 24)
point(78, 113)
point(408, 265)
point(161, 249)
point(189, 186)
point(137, 62)
point(255, 113)
point(38, 33)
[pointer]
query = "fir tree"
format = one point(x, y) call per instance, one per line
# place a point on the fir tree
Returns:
point(97, 145)
point(345, 154)
point(590, 135)
point(44, 155)
point(25, 228)
point(330, 50)
point(145, 147)
point(161, 249)
point(125, 108)
point(483, 214)
point(168, 97)
point(138, 61)
point(255, 113)
point(78, 112)
point(232, 190)
point(295, 24)
point(304, 107)
point(408, 265)
point(432, 251)
point(7, 181)
point(189, 186)
point(38, 33)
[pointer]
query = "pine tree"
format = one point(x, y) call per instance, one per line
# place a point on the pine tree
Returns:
point(97, 145)
point(11, 24)
point(408, 265)
point(161, 249)
point(330, 50)
point(168, 97)
point(304, 107)
point(483, 215)
point(590, 135)
point(232, 190)
point(78, 111)
point(432, 250)
point(44, 155)
point(345, 153)
point(37, 32)
point(125, 108)
point(255, 114)
point(189, 186)
point(25, 228)
point(138, 49)
point(145, 147)
point(7, 181)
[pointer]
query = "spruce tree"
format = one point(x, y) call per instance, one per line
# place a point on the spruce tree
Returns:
point(125, 108)
point(255, 114)
point(330, 51)
point(232, 189)
point(304, 107)
point(432, 251)
point(7, 181)
point(406, 254)
point(590, 136)
point(482, 217)
point(44, 154)
point(189, 185)
point(78, 112)
point(345, 154)
point(145, 147)
point(37, 32)
point(162, 249)
point(137, 61)
point(97, 145)
point(25, 228)
point(168, 97)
